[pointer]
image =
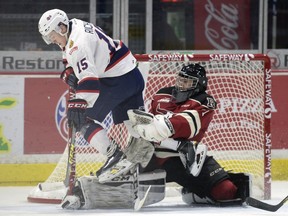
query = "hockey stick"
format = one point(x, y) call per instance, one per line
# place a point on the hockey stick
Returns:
point(71, 164)
point(70, 169)
point(265, 206)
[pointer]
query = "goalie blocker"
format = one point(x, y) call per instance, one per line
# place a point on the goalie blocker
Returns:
point(120, 192)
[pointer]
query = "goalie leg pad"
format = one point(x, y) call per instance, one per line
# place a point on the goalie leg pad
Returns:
point(139, 151)
point(115, 194)
point(241, 180)
point(121, 192)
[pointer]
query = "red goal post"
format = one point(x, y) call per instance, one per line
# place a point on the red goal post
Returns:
point(238, 137)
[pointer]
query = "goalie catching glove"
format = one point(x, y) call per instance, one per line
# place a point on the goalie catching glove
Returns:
point(152, 128)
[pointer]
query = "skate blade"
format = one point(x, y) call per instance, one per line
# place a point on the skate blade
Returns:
point(117, 170)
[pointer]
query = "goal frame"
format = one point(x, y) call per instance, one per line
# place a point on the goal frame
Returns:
point(267, 143)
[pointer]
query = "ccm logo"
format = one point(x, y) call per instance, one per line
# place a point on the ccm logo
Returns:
point(77, 105)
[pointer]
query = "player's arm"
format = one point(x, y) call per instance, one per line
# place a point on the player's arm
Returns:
point(183, 125)
point(191, 119)
point(86, 89)
point(190, 124)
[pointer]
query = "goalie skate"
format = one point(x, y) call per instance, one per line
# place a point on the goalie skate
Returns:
point(119, 169)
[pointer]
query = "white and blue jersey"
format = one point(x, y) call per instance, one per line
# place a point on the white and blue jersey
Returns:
point(108, 77)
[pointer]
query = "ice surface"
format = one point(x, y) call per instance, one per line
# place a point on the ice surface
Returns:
point(13, 201)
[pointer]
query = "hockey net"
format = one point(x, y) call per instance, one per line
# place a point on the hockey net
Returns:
point(238, 137)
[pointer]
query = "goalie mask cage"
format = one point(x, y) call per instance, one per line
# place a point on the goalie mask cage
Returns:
point(238, 137)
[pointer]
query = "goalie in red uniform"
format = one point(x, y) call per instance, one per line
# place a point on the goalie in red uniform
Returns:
point(176, 123)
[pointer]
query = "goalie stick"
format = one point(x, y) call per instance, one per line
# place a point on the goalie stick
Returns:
point(140, 202)
point(250, 201)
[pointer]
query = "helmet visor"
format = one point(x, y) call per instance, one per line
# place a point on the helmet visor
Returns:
point(50, 38)
point(184, 83)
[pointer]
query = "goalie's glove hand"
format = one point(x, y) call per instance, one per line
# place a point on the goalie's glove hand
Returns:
point(137, 116)
point(76, 113)
point(156, 131)
point(69, 77)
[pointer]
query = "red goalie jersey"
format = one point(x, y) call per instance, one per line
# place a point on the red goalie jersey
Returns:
point(191, 118)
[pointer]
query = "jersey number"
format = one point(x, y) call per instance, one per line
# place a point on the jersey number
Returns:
point(88, 27)
point(102, 36)
point(82, 65)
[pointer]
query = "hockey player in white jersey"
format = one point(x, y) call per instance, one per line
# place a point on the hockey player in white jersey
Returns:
point(104, 75)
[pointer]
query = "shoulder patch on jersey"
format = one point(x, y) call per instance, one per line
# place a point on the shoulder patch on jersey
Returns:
point(211, 103)
point(164, 100)
point(206, 100)
point(71, 43)
point(73, 49)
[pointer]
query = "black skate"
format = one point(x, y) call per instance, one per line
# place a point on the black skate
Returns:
point(115, 165)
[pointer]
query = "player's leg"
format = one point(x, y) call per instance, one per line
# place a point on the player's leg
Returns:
point(192, 154)
point(138, 151)
point(131, 98)
point(213, 185)
point(240, 180)
point(116, 91)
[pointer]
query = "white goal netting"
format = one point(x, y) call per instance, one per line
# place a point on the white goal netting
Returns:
point(238, 137)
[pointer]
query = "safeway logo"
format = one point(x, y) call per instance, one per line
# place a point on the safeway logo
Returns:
point(231, 57)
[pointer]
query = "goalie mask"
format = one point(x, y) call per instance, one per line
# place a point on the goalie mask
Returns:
point(190, 81)
point(49, 24)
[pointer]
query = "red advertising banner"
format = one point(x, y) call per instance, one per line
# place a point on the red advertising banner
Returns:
point(222, 25)
point(44, 115)
point(279, 120)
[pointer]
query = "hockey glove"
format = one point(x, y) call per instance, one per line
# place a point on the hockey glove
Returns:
point(159, 128)
point(69, 77)
point(76, 113)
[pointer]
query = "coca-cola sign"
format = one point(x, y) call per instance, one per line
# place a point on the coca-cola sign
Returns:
point(222, 25)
